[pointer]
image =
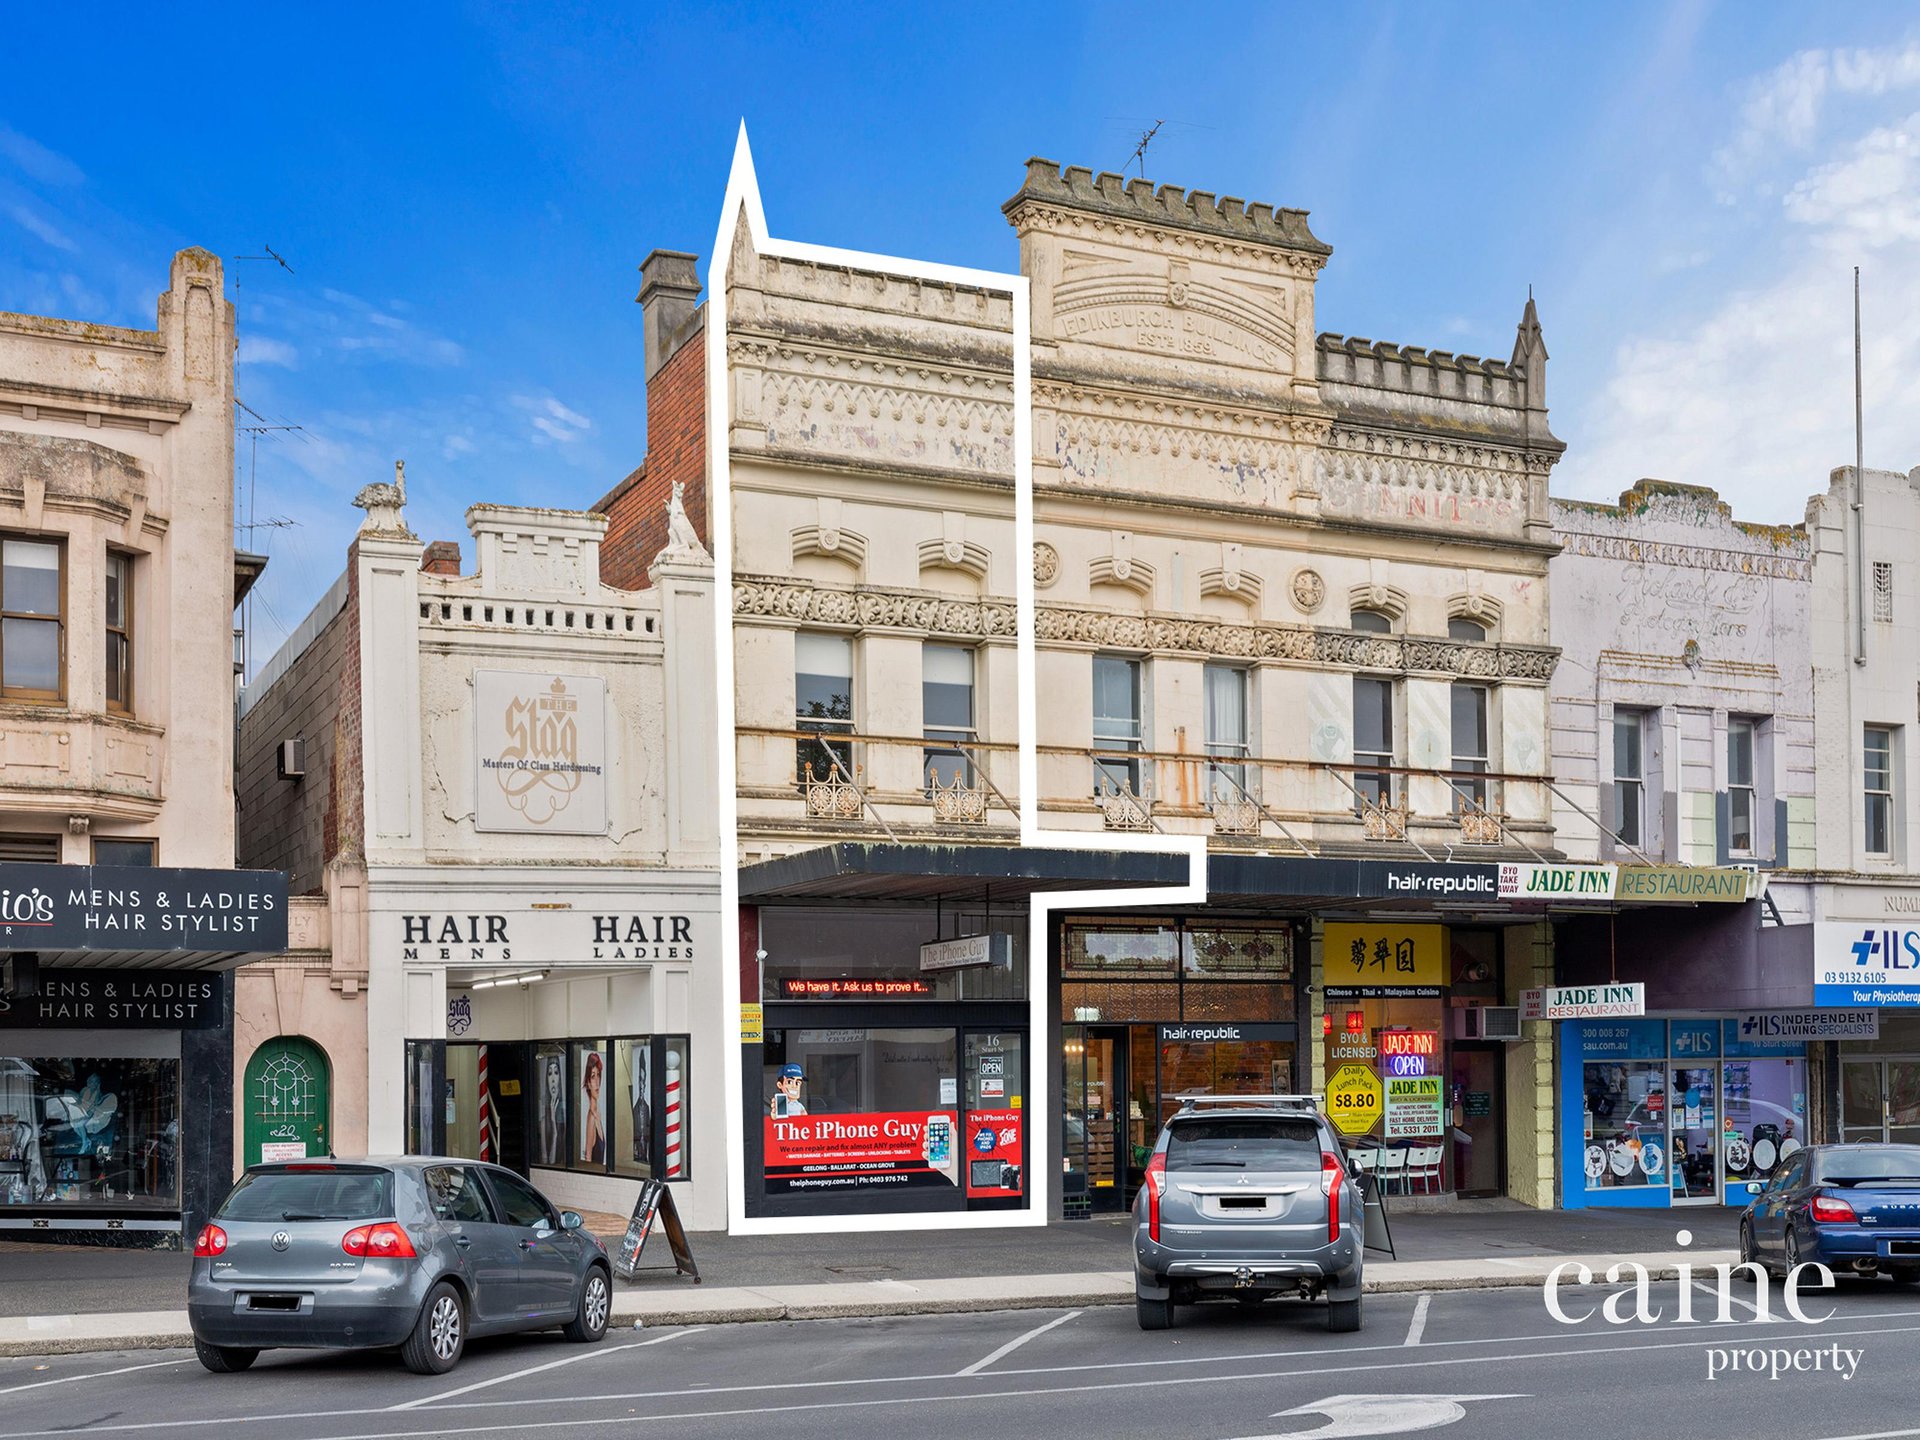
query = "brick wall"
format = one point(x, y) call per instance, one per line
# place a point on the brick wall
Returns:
point(299, 825)
point(636, 508)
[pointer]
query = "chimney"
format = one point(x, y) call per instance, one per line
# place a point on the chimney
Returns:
point(669, 291)
point(441, 557)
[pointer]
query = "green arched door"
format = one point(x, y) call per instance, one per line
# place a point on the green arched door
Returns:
point(288, 1100)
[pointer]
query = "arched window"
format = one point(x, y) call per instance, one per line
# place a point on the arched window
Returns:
point(1372, 622)
point(1461, 628)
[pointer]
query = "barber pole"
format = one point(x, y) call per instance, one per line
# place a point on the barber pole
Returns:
point(486, 1110)
point(673, 1116)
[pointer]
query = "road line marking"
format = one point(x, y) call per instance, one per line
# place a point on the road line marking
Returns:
point(943, 1399)
point(1712, 1294)
point(1419, 1325)
point(1015, 1343)
point(537, 1369)
point(93, 1375)
point(284, 1416)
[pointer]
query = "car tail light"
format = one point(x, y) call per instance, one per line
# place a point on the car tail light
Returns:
point(211, 1240)
point(1825, 1210)
point(1156, 1187)
point(1332, 1172)
point(385, 1241)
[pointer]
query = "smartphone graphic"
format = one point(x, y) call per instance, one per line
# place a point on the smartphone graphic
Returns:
point(939, 1141)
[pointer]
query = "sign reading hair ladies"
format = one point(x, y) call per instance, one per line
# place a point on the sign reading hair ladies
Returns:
point(97, 907)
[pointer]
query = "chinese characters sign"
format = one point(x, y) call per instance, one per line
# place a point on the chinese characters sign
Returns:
point(1367, 953)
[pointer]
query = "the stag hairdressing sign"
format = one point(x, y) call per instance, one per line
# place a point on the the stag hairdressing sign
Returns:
point(541, 753)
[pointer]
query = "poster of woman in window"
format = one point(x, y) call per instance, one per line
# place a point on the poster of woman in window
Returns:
point(550, 1107)
point(593, 1111)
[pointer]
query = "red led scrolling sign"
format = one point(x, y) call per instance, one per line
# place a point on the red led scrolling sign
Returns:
point(849, 989)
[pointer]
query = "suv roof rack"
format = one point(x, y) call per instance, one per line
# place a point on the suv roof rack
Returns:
point(1284, 1102)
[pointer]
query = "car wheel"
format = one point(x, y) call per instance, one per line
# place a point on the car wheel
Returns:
point(439, 1335)
point(589, 1322)
point(1153, 1314)
point(1343, 1316)
point(224, 1359)
point(1792, 1248)
point(1748, 1255)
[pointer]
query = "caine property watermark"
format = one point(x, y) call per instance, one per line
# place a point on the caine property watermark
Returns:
point(1635, 1302)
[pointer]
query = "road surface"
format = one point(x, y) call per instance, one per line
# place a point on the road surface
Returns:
point(1224, 1371)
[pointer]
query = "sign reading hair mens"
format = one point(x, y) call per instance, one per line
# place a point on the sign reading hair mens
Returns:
point(540, 752)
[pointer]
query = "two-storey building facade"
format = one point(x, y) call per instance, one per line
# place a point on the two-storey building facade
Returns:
point(1291, 597)
point(496, 789)
point(118, 584)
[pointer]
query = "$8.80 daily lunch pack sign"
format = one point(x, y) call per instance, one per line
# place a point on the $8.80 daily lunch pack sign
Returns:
point(540, 748)
point(142, 907)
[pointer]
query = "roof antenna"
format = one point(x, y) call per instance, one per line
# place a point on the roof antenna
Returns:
point(1140, 150)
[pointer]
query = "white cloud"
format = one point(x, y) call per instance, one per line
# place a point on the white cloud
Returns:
point(36, 161)
point(1786, 106)
point(40, 228)
point(553, 422)
point(259, 350)
point(1747, 386)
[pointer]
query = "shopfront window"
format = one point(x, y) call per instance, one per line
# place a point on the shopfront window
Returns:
point(862, 1111)
point(1625, 1139)
point(633, 1110)
point(589, 1148)
point(552, 1104)
point(93, 1131)
point(606, 1105)
point(829, 954)
point(1177, 971)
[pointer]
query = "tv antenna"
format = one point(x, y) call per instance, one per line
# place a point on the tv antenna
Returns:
point(1140, 150)
point(260, 426)
point(269, 254)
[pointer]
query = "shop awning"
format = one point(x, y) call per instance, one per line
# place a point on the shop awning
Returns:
point(857, 871)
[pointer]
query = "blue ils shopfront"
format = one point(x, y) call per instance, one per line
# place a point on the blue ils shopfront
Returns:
point(1679, 1111)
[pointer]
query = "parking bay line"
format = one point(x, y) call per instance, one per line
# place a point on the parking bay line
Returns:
point(1419, 1325)
point(922, 1399)
point(92, 1375)
point(1015, 1343)
point(537, 1369)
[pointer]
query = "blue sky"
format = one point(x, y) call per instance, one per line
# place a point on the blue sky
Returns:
point(465, 193)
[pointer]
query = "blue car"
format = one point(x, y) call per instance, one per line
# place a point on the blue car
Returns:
point(1853, 1208)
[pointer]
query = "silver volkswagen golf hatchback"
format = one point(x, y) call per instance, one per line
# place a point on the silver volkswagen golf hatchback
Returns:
point(420, 1253)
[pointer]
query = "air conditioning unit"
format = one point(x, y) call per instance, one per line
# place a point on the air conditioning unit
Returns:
point(1487, 1022)
point(292, 759)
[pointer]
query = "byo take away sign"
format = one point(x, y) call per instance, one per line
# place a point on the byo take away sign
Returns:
point(1354, 1099)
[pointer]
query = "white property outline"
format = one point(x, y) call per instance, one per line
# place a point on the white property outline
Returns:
point(743, 202)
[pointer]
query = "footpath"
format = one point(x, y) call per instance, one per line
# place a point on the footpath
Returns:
point(62, 1299)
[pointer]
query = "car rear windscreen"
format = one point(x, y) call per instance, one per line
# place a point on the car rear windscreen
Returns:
point(1246, 1142)
point(1888, 1162)
point(310, 1194)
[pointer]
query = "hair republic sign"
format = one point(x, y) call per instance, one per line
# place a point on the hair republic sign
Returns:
point(119, 908)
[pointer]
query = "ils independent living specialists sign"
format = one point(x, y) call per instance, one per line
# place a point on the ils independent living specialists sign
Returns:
point(1858, 965)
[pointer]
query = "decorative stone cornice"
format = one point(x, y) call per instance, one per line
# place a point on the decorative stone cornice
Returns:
point(867, 609)
point(1351, 650)
point(800, 602)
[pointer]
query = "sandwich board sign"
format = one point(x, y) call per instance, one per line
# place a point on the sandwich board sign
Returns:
point(655, 1199)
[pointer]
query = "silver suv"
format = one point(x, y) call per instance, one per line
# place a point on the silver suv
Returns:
point(1248, 1197)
